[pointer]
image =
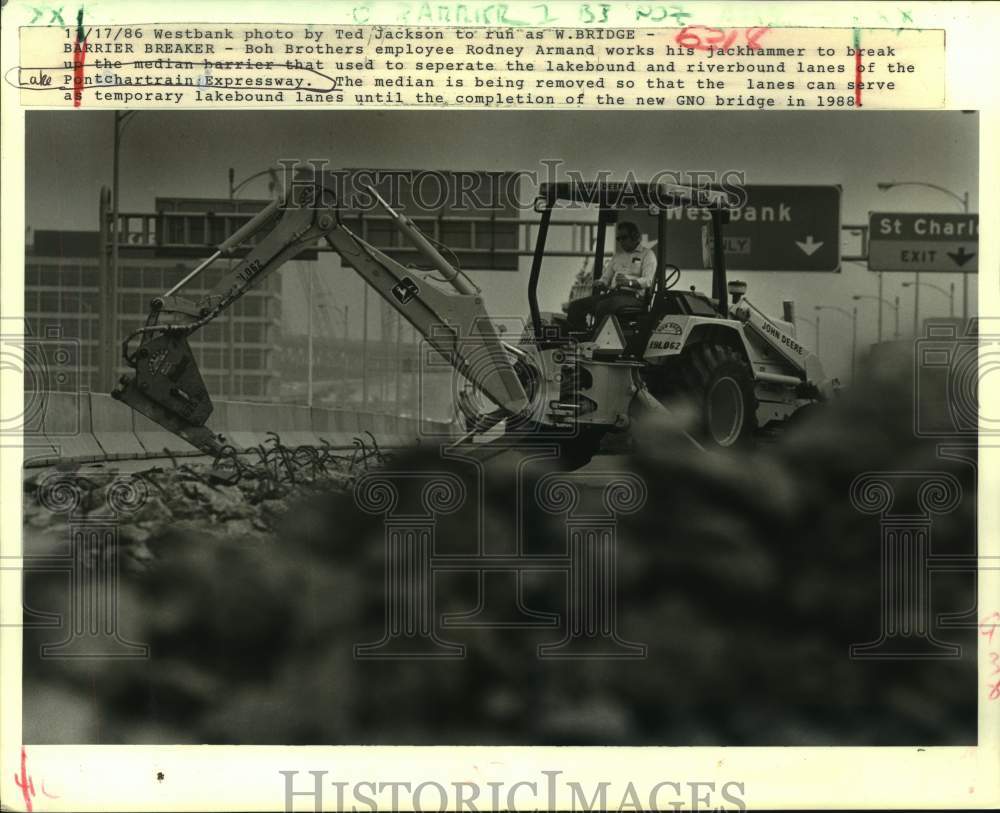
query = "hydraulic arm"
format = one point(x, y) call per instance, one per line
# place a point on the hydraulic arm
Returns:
point(168, 388)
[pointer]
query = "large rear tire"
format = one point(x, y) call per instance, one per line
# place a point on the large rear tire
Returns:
point(720, 387)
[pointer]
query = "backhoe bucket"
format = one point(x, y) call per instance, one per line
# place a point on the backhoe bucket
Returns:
point(168, 388)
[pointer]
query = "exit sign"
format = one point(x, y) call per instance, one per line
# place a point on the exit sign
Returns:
point(909, 241)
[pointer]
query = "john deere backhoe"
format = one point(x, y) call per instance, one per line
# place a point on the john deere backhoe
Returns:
point(739, 371)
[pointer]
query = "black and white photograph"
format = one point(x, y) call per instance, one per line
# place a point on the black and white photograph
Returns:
point(520, 428)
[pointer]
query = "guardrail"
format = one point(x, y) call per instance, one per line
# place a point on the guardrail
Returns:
point(91, 427)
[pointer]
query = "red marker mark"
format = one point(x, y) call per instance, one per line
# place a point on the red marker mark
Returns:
point(753, 37)
point(857, 68)
point(857, 80)
point(706, 38)
point(24, 782)
point(79, 58)
point(988, 626)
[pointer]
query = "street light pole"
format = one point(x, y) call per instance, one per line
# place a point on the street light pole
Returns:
point(364, 351)
point(854, 330)
point(112, 283)
point(231, 319)
point(236, 187)
point(309, 343)
point(112, 291)
point(950, 293)
point(399, 360)
point(963, 201)
point(815, 325)
point(965, 274)
point(854, 341)
point(880, 301)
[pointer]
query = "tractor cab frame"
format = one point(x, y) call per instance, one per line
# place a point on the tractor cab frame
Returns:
point(613, 198)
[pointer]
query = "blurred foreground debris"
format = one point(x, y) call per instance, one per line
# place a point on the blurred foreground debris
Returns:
point(748, 577)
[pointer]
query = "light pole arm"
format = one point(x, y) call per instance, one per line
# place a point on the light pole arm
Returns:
point(844, 311)
point(234, 189)
point(962, 199)
point(881, 299)
point(923, 284)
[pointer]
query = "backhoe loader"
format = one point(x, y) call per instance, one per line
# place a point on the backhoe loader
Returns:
point(738, 371)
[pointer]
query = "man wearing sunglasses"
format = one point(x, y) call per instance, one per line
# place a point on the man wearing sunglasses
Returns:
point(629, 273)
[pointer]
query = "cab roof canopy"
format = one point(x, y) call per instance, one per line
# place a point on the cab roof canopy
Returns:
point(634, 194)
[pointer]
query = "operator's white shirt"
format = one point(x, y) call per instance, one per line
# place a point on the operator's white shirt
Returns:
point(639, 264)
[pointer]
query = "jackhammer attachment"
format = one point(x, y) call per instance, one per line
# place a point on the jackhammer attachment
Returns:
point(168, 389)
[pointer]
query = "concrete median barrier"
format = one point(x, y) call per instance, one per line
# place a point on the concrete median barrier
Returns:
point(94, 426)
point(247, 424)
point(383, 429)
point(111, 421)
point(328, 425)
point(406, 428)
point(367, 422)
point(219, 422)
point(156, 440)
point(66, 425)
point(296, 427)
point(431, 431)
point(346, 427)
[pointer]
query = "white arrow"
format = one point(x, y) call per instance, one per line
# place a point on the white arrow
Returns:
point(809, 247)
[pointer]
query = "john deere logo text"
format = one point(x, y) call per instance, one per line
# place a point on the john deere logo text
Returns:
point(405, 290)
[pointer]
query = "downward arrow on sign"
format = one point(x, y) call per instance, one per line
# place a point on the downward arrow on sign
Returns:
point(809, 247)
point(960, 257)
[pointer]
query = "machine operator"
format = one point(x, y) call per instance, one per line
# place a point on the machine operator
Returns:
point(629, 273)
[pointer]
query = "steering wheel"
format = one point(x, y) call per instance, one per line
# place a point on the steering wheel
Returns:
point(662, 282)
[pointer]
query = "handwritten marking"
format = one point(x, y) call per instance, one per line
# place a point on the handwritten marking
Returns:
point(987, 628)
point(24, 782)
point(716, 38)
point(857, 67)
point(55, 14)
point(43, 81)
point(79, 58)
point(658, 14)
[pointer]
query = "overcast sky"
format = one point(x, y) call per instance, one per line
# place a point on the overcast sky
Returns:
point(69, 157)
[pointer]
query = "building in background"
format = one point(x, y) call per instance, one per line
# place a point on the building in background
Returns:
point(247, 352)
point(63, 289)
